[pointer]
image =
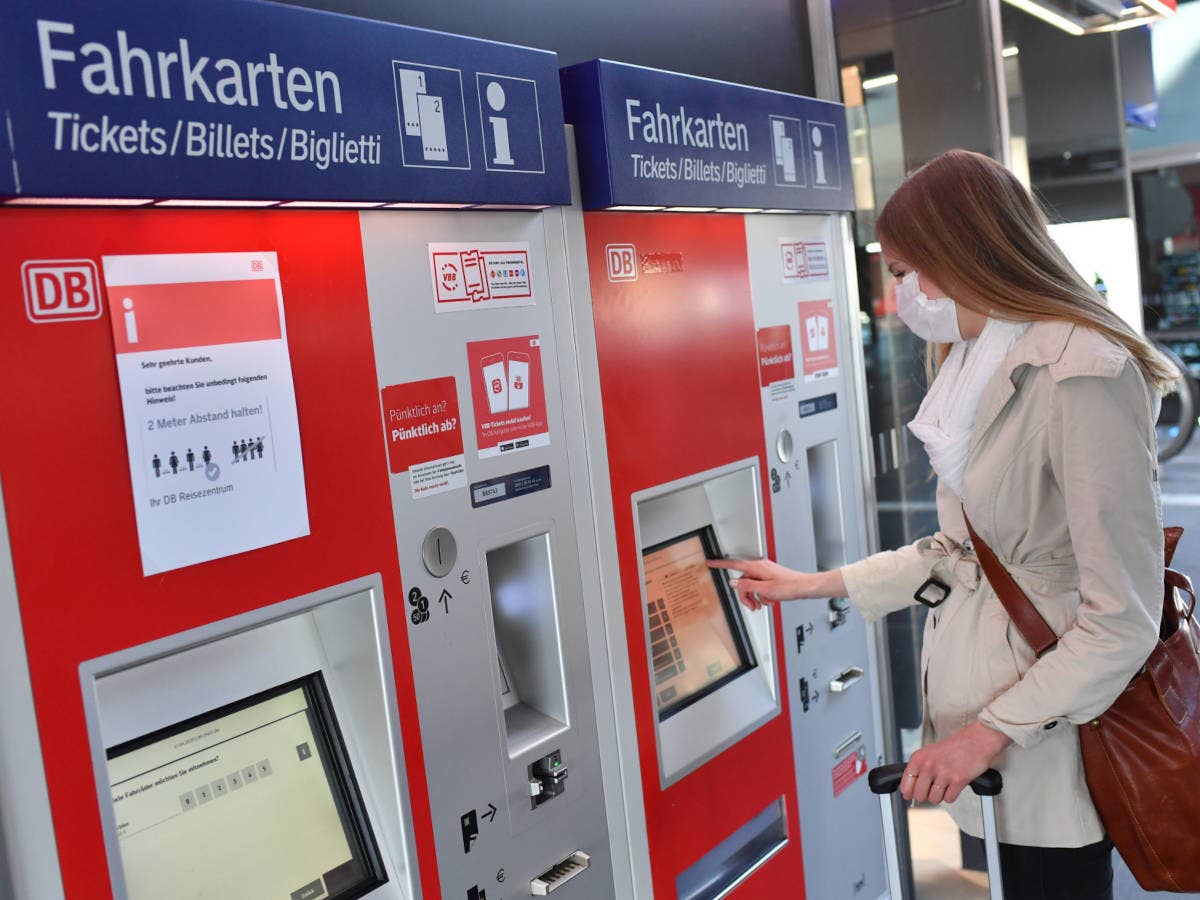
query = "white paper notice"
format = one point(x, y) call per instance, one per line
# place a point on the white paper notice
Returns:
point(209, 403)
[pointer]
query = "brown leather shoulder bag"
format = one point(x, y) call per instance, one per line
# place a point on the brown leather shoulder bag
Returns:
point(1141, 756)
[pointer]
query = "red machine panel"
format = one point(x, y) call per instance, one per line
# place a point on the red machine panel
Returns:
point(680, 380)
point(68, 494)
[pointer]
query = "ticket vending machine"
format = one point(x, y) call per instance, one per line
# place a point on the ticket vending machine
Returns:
point(293, 550)
point(724, 422)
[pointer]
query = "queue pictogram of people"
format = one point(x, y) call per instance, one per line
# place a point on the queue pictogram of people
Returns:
point(243, 450)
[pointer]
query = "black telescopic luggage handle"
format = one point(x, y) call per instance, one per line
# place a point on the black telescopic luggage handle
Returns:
point(886, 780)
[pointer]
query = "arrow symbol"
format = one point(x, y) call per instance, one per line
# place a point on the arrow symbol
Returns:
point(787, 476)
point(445, 599)
point(490, 815)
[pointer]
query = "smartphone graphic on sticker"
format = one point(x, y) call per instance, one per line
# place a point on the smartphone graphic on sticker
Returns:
point(813, 326)
point(518, 380)
point(496, 381)
point(473, 278)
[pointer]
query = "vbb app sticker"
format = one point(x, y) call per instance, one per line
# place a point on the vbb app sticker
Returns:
point(819, 340)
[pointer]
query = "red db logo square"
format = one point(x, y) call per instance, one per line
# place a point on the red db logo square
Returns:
point(622, 262)
point(61, 290)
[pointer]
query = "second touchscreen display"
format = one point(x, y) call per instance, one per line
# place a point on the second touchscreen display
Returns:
point(697, 642)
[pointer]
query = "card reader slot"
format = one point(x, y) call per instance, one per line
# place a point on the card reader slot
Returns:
point(849, 677)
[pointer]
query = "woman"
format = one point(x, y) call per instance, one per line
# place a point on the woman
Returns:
point(1040, 424)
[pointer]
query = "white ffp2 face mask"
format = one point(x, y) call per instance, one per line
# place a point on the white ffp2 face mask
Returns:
point(934, 320)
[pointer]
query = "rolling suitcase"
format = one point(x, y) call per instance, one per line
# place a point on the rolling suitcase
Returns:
point(885, 781)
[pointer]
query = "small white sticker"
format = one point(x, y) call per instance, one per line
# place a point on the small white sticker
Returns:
point(480, 276)
point(437, 477)
point(802, 260)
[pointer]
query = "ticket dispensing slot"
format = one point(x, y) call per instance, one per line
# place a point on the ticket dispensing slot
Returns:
point(825, 489)
point(733, 860)
point(711, 659)
point(532, 685)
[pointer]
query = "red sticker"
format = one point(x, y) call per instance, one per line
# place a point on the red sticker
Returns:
point(775, 355)
point(508, 395)
point(424, 434)
point(849, 770)
point(819, 340)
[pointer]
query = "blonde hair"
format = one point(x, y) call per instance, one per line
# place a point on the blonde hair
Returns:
point(967, 223)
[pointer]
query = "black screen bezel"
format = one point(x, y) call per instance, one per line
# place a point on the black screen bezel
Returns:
point(729, 603)
point(343, 784)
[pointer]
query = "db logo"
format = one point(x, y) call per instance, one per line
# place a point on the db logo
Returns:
point(497, 386)
point(622, 262)
point(61, 290)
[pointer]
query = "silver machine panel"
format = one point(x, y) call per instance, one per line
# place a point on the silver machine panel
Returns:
point(818, 514)
point(502, 662)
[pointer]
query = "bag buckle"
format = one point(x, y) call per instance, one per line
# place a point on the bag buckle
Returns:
point(932, 593)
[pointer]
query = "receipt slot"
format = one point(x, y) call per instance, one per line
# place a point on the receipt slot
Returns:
point(725, 422)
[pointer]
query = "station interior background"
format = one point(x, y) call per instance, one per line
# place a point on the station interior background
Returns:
point(1124, 198)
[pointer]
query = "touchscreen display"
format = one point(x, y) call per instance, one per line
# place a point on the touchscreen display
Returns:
point(697, 642)
point(255, 799)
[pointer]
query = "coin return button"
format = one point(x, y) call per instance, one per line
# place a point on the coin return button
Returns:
point(439, 552)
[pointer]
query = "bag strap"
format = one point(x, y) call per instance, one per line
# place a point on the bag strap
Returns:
point(1020, 608)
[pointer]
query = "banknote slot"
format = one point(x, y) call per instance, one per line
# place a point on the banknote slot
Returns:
point(531, 680)
point(825, 490)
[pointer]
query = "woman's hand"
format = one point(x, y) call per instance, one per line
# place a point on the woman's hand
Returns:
point(763, 581)
point(938, 773)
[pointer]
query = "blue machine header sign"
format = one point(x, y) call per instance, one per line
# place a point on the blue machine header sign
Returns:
point(653, 138)
point(245, 100)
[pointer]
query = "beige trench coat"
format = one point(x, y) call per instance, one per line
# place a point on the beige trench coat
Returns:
point(1062, 483)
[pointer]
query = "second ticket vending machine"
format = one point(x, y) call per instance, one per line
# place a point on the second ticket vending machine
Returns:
point(722, 322)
